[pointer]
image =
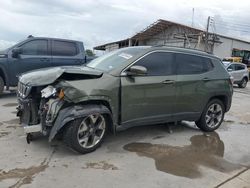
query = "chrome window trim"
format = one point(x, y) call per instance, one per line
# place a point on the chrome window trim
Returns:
point(123, 72)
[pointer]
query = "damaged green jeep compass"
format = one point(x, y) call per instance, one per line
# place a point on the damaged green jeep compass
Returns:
point(127, 87)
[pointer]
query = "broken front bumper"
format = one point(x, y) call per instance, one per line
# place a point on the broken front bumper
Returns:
point(28, 113)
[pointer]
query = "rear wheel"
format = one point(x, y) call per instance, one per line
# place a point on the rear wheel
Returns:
point(243, 83)
point(1, 85)
point(86, 134)
point(212, 116)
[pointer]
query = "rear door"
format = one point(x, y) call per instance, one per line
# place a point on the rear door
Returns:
point(192, 86)
point(151, 98)
point(240, 71)
point(35, 55)
point(66, 53)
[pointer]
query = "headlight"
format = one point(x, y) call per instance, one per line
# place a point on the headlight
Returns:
point(48, 91)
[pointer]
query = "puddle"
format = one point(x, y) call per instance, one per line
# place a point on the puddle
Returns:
point(25, 175)
point(10, 104)
point(100, 165)
point(4, 133)
point(12, 121)
point(204, 150)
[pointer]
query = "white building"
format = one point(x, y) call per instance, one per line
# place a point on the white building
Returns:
point(168, 33)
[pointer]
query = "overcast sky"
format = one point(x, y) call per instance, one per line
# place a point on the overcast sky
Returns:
point(96, 22)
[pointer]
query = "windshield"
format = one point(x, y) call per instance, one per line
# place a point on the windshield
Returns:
point(115, 59)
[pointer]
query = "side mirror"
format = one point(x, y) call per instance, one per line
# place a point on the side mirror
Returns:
point(229, 70)
point(137, 71)
point(16, 52)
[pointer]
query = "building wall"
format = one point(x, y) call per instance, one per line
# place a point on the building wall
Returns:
point(166, 37)
point(225, 48)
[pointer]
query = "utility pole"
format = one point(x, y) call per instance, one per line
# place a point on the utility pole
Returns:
point(193, 18)
point(206, 39)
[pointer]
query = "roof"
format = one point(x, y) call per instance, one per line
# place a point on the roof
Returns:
point(156, 28)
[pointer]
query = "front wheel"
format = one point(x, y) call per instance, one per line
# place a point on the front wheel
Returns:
point(243, 83)
point(86, 134)
point(212, 116)
point(1, 85)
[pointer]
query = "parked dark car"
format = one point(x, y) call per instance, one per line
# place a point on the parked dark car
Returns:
point(35, 53)
point(124, 88)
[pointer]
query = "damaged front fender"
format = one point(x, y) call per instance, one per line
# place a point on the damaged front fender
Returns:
point(75, 112)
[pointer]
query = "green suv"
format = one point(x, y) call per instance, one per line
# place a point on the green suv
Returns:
point(124, 88)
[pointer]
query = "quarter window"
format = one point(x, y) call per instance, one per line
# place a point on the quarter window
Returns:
point(191, 64)
point(63, 48)
point(158, 63)
point(35, 47)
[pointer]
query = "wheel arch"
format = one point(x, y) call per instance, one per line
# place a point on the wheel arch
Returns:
point(74, 112)
point(245, 77)
point(224, 99)
point(3, 75)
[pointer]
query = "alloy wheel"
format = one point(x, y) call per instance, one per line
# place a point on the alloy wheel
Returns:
point(214, 115)
point(91, 130)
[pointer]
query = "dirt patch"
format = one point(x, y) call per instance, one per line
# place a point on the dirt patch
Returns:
point(4, 133)
point(100, 165)
point(10, 104)
point(12, 126)
point(65, 165)
point(12, 121)
point(25, 175)
point(206, 150)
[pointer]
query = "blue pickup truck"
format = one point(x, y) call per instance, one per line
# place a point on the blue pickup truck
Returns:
point(35, 53)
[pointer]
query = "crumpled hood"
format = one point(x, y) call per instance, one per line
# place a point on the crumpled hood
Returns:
point(47, 76)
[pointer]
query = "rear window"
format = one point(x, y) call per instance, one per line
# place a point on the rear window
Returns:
point(64, 48)
point(191, 64)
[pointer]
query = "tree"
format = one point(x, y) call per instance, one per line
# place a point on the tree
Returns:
point(89, 52)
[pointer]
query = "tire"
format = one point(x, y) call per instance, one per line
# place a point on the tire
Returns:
point(1, 85)
point(212, 116)
point(86, 134)
point(243, 83)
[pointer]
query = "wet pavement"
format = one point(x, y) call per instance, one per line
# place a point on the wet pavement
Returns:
point(149, 156)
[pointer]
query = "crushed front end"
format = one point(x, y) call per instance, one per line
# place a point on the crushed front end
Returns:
point(38, 107)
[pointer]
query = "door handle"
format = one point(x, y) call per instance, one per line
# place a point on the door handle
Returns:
point(168, 82)
point(206, 79)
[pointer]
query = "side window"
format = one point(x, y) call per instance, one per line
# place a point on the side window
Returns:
point(191, 64)
point(35, 47)
point(158, 63)
point(63, 48)
point(232, 67)
point(239, 67)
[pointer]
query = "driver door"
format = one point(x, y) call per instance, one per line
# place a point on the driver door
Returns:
point(150, 98)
